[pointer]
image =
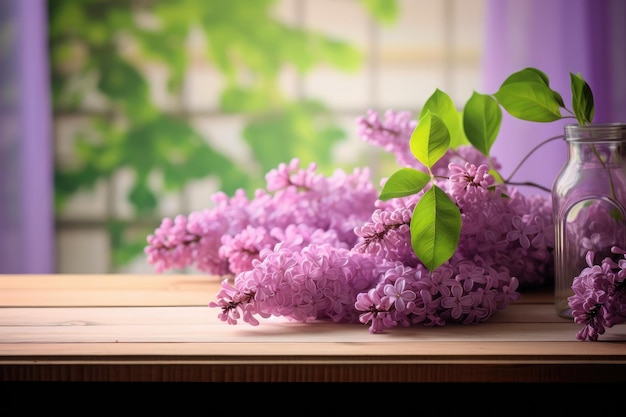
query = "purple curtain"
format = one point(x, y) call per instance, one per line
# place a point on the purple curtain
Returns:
point(557, 37)
point(26, 184)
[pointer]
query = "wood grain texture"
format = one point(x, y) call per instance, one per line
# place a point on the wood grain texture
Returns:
point(107, 290)
point(159, 328)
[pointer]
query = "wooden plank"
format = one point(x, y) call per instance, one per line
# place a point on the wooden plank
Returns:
point(66, 290)
point(84, 316)
point(107, 290)
point(415, 351)
point(366, 370)
point(201, 325)
point(80, 282)
point(285, 332)
point(308, 334)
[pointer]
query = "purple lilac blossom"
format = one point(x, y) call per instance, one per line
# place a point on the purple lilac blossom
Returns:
point(312, 247)
point(599, 298)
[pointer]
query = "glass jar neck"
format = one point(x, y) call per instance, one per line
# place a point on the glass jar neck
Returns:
point(601, 153)
point(602, 143)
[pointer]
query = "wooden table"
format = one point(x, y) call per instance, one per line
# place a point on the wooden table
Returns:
point(159, 328)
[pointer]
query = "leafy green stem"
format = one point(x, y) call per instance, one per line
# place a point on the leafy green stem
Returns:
point(525, 95)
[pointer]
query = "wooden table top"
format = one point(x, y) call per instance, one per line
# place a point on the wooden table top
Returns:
point(159, 328)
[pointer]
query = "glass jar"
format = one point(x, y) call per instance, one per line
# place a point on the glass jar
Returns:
point(589, 203)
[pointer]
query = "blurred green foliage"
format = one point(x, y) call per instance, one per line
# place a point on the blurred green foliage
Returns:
point(88, 42)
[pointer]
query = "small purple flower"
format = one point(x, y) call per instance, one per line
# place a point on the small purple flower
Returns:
point(398, 295)
point(522, 232)
point(457, 301)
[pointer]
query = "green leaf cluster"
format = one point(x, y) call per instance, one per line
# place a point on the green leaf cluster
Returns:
point(526, 94)
point(98, 48)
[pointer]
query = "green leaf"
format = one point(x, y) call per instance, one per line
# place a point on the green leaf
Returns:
point(442, 105)
point(496, 175)
point(527, 95)
point(120, 81)
point(384, 11)
point(236, 99)
point(142, 198)
point(430, 139)
point(534, 75)
point(582, 99)
point(481, 121)
point(531, 74)
point(404, 182)
point(435, 228)
point(528, 75)
point(272, 135)
point(340, 54)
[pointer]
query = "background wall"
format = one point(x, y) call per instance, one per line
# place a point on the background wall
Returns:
point(192, 107)
point(150, 118)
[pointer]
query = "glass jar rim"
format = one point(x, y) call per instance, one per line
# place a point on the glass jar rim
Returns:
point(595, 132)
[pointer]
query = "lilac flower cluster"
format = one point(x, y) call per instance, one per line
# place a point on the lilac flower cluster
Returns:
point(313, 247)
point(595, 228)
point(599, 299)
point(224, 240)
point(500, 225)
